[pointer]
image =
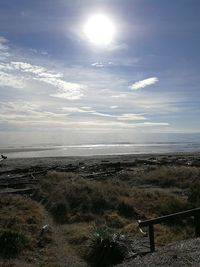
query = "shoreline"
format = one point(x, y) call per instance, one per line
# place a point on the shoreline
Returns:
point(100, 150)
point(96, 159)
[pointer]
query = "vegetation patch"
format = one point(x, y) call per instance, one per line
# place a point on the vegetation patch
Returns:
point(70, 196)
point(174, 176)
point(112, 206)
point(12, 243)
point(194, 194)
point(106, 248)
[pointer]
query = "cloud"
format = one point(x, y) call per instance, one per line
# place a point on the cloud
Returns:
point(10, 80)
point(27, 114)
point(103, 114)
point(143, 83)
point(4, 48)
point(22, 112)
point(115, 124)
point(74, 110)
point(33, 69)
point(122, 117)
point(66, 90)
point(119, 96)
point(113, 107)
point(103, 64)
point(86, 108)
point(97, 64)
point(156, 124)
point(131, 117)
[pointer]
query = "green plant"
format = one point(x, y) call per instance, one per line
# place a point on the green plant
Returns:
point(106, 248)
point(11, 243)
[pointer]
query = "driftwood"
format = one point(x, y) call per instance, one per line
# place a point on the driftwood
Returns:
point(100, 174)
point(20, 191)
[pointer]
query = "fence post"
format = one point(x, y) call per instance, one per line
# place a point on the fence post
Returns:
point(151, 237)
point(197, 224)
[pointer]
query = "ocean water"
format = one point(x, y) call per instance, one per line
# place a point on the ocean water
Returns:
point(98, 149)
point(62, 144)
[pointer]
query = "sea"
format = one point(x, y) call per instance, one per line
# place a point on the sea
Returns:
point(98, 149)
point(184, 143)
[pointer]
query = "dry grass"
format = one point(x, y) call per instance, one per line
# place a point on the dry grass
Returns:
point(74, 199)
point(112, 203)
point(79, 205)
point(165, 234)
point(174, 176)
point(22, 215)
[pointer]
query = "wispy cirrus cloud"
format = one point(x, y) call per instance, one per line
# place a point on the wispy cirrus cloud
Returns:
point(119, 96)
point(131, 117)
point(14, 73)
point(74, 110)
point(144, 83)
point(122, 117)
point(33, 69)
point(66, 90)
point(42, 86)
point(22, 112)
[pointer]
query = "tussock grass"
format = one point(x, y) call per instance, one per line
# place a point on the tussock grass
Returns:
point(73, 198)
point(78, 205)
point(174, 176)
point(22, 214)
point(21, 221)
point(165, 234)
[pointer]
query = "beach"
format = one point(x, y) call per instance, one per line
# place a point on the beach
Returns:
point(153, 158)
point(93, 166)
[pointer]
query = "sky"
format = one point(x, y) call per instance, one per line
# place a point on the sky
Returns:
point(56, 81)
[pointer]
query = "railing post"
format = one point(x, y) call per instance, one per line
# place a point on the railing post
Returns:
point(151, 237)
point(197, 224)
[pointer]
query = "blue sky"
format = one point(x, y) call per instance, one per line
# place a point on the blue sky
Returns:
point(52, 78)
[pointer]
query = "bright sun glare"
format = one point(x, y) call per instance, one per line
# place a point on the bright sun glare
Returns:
point(99, 29)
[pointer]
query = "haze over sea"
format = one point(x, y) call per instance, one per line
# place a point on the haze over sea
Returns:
point(28, 146)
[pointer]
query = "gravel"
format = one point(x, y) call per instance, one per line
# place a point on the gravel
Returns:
point(180, 254)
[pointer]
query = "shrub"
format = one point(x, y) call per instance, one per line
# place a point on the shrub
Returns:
point(172, 176)
point(173, 205)
point(126, 210)
point(106, 249)
point(114, 220)
point(60, 211)
point(194, 194)
point(79, 196)
point(11, 243)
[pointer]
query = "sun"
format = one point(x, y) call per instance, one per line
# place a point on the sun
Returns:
point(99, 30)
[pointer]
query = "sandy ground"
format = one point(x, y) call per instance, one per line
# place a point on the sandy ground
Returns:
point(62, 161)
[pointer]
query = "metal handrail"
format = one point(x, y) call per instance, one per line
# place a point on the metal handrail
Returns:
point(167, 218)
